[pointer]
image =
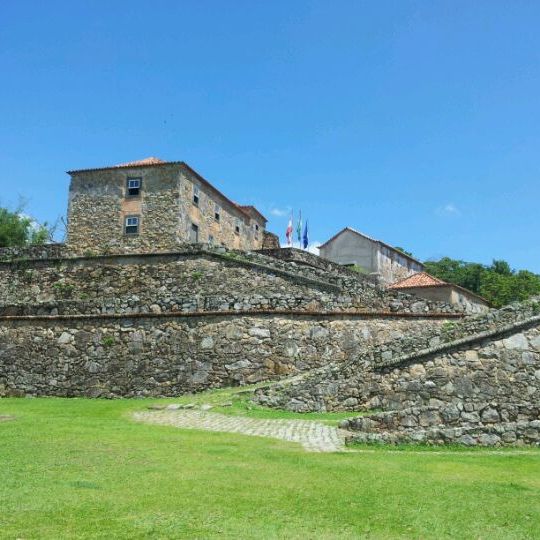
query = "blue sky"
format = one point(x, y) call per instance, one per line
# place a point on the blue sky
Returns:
point(414, 122)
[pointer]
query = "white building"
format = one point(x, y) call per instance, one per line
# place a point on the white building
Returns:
point(352, 248)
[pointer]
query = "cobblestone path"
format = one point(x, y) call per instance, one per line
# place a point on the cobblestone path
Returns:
point(313, 436)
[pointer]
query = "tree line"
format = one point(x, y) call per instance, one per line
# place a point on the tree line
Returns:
point(498, 283)
point(20, 229)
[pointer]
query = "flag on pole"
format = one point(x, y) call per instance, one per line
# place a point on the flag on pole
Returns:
point(289, 231)
point(306, 237)
point(299, 229)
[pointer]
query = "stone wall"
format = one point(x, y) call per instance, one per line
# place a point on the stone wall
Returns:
point(472, 382)
point(270, 241)
point(352, 385)
point(189, 280)
point(220, 231)
point(305, 258)
point(451, 294)
point(167, 356)
point(487, 393)
point(98, 206)
point(36, 251)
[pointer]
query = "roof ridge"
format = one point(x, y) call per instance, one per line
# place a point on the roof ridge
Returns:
point(418, 279)
point(347, 228)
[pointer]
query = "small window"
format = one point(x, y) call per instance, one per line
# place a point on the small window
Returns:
point(256, 227)
point(132, 225)
point(134, 186)
point(237, 227)
point(195, 195)
point(194, 235)
point(210, 240)
point(217, 213)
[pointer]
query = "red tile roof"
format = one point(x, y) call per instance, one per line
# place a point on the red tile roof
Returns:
point(420, 279)
point(425, 280)
point(146, 161)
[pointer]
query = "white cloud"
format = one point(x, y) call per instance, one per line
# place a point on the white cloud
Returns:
point(278, 212)
point(449, 209)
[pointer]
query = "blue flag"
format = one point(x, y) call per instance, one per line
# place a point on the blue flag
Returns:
point(306, 237)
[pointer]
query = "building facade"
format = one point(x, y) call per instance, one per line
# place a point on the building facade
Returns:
point(429, 287)
point(352, 248)
point(152, 205)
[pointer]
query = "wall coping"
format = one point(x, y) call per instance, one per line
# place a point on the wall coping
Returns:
point(236, 313)
point(459, 343)
point(128, 258)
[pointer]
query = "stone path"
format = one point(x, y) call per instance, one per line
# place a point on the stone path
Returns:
point(313, 436)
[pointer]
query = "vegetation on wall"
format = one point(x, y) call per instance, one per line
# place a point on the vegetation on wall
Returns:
point(18, 229)
point(498, 283)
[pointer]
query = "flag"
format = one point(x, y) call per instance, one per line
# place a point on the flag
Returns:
point(299, 229)
point(289, 231)
point(306, 237)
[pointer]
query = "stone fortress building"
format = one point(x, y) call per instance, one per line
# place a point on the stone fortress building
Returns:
point(153, 205)
point(165, 287)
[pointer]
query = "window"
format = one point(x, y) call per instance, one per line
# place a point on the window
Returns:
point(237, 227)
point(256, 227)
point(134, 186)
point(195, 195)
point(194, 234)
point(210, 240)
point(132, 225)
point(217, 213)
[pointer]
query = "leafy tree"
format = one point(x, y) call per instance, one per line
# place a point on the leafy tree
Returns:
point(399, 248)
point(497, 283)
point(17, 229)
point(501, 267)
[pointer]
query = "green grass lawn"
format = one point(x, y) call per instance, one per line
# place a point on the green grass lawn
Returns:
point(78, 468)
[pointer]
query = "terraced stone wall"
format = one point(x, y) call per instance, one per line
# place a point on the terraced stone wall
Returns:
point(194, 279)
point(471, 382)
point(160, 355)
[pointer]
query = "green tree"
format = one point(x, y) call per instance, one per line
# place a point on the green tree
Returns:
point(399, 248)
point(464, 274)
point(497, 283)
point(17, 229)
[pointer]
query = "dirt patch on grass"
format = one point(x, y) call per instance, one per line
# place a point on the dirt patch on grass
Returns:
point(6, 418)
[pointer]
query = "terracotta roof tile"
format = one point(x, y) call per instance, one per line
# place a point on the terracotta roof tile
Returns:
point(146, 161)
point(425, 280)
point(420, 279)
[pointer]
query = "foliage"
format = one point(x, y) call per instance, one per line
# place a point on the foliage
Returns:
point(80, 468)
point(497, 283)
point(64, 290)
point(399, 248)
point(18, 229)
point(107, 341)
point(358, 269)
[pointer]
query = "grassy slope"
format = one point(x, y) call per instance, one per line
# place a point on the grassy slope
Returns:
point(81, 469)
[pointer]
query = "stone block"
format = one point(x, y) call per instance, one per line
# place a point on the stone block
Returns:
point(517, 341)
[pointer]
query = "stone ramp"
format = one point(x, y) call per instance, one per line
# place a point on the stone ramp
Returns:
point(313, 436)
